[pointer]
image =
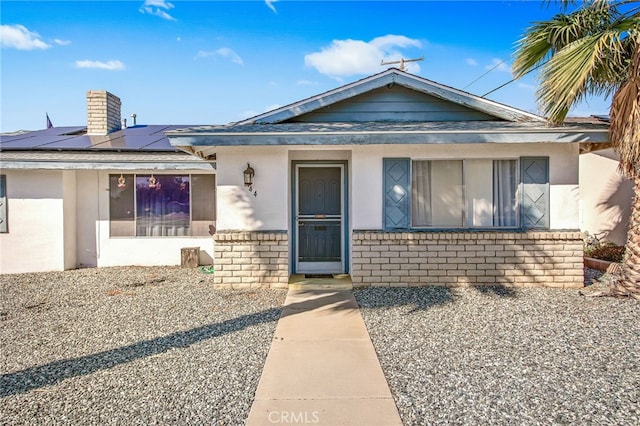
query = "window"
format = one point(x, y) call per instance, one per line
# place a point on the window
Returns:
point(473, 193)
point(149, 205)
point(3, 204)
point(464, 193)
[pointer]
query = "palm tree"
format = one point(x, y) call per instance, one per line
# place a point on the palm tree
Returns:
point(594, 50)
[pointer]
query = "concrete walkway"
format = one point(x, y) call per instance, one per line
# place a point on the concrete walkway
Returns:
point(322, 368)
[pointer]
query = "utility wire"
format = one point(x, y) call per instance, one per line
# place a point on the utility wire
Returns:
point(493, 68)
point(512, 80)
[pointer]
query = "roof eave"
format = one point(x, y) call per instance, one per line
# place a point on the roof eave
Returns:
point(555, 135)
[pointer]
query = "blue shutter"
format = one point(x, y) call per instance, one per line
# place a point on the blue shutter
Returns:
point(534, 175)
point(396, 193)
point(3, 203)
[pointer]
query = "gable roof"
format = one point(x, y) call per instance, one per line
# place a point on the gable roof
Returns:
point(328, 119)
point(389, 78)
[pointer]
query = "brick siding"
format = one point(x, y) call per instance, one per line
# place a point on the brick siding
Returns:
point(519, 259)
point(251, 259)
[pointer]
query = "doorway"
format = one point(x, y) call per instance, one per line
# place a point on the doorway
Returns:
point(319, 218)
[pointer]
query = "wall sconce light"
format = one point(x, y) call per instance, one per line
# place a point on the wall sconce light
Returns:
point(249, 173)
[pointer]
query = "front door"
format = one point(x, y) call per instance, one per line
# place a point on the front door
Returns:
point(319, 214)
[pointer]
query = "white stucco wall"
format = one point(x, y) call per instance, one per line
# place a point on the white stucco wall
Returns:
point(237, 207)
point(60, 220)
point(87, 190)
point(36, 238)
point(605, 196)
point(70, 214)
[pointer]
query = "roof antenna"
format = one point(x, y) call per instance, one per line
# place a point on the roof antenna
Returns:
point(402, 61)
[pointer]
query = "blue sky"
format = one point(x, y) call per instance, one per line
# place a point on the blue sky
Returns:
point(208, 62)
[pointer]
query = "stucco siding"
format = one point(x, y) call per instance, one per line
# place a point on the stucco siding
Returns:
point(69, 218)
point(87, 217)
point(605, 196)
point(237, 207)
point(35, 241)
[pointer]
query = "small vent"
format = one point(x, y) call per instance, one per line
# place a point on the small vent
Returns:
point(318, 275)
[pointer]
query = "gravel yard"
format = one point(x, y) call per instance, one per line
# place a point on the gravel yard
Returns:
point(130, 346)
point(499, 356)
point(159, 345)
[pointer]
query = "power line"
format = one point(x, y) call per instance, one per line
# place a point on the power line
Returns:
point(493, 68)
point(512, 80)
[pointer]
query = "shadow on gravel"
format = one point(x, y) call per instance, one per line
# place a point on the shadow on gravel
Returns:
point(498, 290)
point(421, 298)
point(57, 371)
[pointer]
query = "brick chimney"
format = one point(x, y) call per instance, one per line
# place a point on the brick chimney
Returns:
point(103, 112)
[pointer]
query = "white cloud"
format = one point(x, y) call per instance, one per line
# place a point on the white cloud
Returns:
point(499, 65)
point(349, 57)
point(270, 5)
point(157, 8)
point(19, 37)
point(112, 65)
point(223, 52)
point(390, 41)
point(61, 42)
point(472, 62)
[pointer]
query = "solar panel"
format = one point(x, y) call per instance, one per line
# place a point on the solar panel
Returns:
point(136, 138)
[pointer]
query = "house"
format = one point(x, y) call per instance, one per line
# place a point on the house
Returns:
point(398, 181)
point(394, 179)
point(101, 194)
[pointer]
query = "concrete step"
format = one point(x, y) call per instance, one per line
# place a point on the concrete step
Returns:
point(333, 282)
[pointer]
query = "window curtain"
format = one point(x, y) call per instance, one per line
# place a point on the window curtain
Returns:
point(421, 194)
point(163, 209)
point(504, 192)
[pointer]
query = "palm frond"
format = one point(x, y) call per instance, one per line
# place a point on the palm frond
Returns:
point(590, 65)
point(544, 39)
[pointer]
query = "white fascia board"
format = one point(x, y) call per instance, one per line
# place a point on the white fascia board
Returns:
point(65, 165)
point(387, 138)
